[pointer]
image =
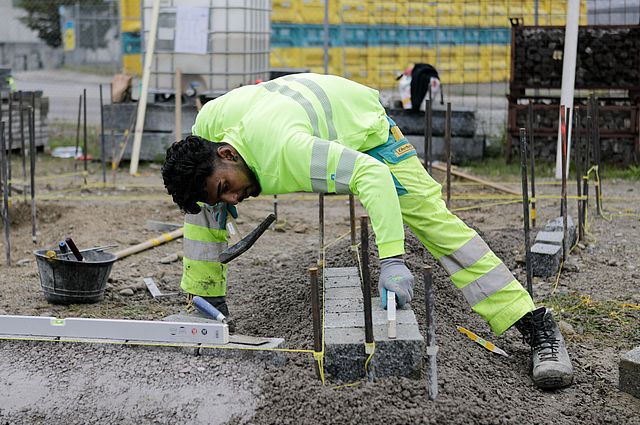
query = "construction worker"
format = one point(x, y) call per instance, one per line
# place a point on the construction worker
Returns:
point(326, 134)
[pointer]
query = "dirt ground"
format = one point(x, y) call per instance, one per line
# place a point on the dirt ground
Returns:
point(597, 299)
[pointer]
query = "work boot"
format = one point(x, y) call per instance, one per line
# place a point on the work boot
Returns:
point(551, 366)
point(221, 304)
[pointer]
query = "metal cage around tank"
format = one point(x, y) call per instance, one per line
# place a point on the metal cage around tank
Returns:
point(238, 45)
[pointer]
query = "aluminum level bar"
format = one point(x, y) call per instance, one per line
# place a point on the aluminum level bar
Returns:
point(112, 329)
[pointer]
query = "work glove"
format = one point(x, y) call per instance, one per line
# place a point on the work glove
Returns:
point(395, 277)
point(220, 212)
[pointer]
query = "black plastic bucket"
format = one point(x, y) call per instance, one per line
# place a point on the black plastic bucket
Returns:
point(67, 281)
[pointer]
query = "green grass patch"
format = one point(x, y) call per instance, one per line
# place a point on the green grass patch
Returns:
point(598, 319)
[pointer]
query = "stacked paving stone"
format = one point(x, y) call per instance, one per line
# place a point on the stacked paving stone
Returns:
point(344, 332)
point(546, 252)
point(629, 369)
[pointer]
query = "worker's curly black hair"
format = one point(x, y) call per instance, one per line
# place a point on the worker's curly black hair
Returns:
point(185, 170)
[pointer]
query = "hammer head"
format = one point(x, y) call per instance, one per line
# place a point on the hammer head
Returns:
point(246, 242)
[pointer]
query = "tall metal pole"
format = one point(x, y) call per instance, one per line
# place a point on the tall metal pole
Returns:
point(432, 348)
point(103, 158)
point(325, 36)
point(32, 168)
point(366, 279)
point(447, 143)
point(525, 208)
point(587, 163)
point(352, 218)
point(5, 196)
point(84, 133)
point(315, 313)
point(532, 160)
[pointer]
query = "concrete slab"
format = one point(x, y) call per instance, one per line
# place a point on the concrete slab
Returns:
point(545, 259)
point(551, 238)
point(629, 369)
point(341, 271)
point(344, 333)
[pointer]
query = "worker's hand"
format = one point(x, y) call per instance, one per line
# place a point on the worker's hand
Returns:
point(396, 277)
point(220, 212)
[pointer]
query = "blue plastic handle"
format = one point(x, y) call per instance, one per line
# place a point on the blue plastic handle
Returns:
point(207, 309)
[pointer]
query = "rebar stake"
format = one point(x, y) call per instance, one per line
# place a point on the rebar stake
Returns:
point(577, 161)
point(587, 163)
point(23, 150)
point(597, 154)
point(366, 290)
point(75, 163)
point(103, 159)
point(321, 228)
point(525, 208)
point(84, 134)
point(32, 168)
point(315, 313)
point(565, 116)
point(447, 142)
point(10, 147)
point(430, 325)
point(5, 195)
point(532, 161)
point(428, 123)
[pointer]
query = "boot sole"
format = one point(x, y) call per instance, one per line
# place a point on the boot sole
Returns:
point(553, 383)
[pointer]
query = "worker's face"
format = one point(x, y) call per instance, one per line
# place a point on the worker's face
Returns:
point(232, 181)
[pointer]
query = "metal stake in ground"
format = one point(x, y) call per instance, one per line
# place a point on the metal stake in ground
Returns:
point(564, 207)
point(597, 155)
point(447, 143)
point(84, 134)
point(525, 208)
point(102, 149)
point(577, 163)
point(321, 228)
point(587, 163)
point(5, 195)
point(275, 208)
point(23, 150)
point(75, 163)
point(428, 116)
point(352, 218)
point(10, 137)
point(32, 168)
point(532, 161)
point(315, 313)
point(430, 325)
point(366, 290)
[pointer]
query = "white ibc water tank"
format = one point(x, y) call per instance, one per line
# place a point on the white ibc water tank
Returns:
point(231, 38)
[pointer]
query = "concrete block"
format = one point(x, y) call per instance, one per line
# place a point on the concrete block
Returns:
point(629, 369)
point(342, 282)
point(348, 293)
point(545, 259)
point(557, 225)
point(341, 271)
point(551, 238)
point(337, 305)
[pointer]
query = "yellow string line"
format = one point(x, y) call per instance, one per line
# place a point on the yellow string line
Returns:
point(483, 206)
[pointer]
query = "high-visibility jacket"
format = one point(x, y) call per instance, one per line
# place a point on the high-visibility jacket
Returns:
point(306, 133)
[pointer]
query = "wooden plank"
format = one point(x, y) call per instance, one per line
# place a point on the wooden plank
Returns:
point(476, 179)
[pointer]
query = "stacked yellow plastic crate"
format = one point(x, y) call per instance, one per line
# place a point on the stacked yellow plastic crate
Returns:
point(373, 41)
